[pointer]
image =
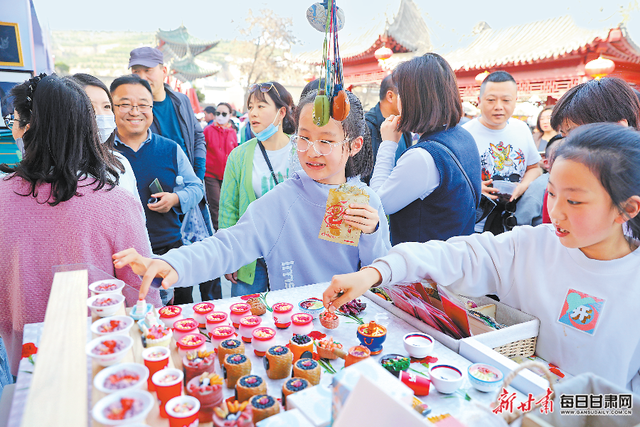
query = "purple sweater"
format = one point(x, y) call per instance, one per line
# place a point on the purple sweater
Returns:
point(35, 237)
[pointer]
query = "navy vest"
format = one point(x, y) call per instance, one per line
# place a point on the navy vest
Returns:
point(450, 210)
point(156, 159)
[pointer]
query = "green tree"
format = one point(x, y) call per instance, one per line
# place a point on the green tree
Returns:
point(61, 68)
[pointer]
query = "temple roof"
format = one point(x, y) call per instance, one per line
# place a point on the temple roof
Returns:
point(180, 41)
point(537, 41)
point(408, 33)
point(189, 68)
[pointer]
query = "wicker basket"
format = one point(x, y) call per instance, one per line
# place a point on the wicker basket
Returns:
point(523, 348)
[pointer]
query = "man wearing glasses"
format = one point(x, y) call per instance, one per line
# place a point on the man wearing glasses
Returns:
point(154, 159)
point(173, 118)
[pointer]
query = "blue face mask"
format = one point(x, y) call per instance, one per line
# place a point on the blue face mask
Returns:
point(268, 132)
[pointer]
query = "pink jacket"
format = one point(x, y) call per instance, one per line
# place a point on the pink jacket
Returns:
point(220, 141)
point(35, 237)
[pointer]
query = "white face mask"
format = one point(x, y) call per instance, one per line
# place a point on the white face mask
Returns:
point(106, 125)
point(222, 120)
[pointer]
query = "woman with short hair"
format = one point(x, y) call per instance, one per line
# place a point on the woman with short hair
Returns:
point(434, 189)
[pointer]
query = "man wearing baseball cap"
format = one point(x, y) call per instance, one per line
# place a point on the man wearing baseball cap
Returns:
point(173, 118)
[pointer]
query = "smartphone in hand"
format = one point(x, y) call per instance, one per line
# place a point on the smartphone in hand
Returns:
point(155, 188)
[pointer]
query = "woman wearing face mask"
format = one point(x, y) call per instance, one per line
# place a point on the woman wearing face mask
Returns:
point(103, 108)
point(221, 139)
point(256, 167)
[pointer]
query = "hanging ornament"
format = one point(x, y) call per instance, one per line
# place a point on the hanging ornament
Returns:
point(599, 68)
point(321, 109)
point(317, 16)
point(383, 53)
point(340, 106)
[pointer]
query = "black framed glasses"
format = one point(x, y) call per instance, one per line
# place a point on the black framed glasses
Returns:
point(9, 120)
point(264, 87)
point(125, 108)
point(218, 113)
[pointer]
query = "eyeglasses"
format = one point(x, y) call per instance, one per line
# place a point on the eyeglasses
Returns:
point(218, 113)
point(264, 87)
point(321, 147)
point(9, 120)
point(125, 108)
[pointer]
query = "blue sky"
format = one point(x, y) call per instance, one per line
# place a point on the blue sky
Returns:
point(450, 22)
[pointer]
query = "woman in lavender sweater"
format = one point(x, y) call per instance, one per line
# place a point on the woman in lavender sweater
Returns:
point(60, 204)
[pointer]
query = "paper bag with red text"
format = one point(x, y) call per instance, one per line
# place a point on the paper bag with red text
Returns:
point(333, 227)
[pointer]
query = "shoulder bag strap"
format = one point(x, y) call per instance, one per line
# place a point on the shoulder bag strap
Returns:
point(455, 159)
point(266, 159)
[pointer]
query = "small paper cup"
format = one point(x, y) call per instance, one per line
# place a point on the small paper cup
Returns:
point(185, 417)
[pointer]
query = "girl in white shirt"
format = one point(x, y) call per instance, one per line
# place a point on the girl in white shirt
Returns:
point(579, 275)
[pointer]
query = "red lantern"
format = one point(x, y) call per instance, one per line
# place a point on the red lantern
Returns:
point(600, 67)
point(309, 77)
point(383, 53)
point(480, 77)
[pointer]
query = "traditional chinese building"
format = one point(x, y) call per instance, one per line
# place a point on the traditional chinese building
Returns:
point(180, 50)
point(546, 58)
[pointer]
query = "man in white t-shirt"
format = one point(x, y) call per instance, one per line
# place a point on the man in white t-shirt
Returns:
point(506, 147)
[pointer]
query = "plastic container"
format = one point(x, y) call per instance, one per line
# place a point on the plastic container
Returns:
point(263, 339)
point(144, 404)
point(238, 311)
point(96, 304)
point(220, 334)
point(372, 339)
point(209, 395)
point(117, 376)
point(109, 357)
point(109, 286)
point(170, 314)
point(191, 342)
point(200, 312)
point(301, 323)
point(505, 189)
point(113, 325)
point(215, 319)
point(196, 363)
point(184, 327)
point(282, 312)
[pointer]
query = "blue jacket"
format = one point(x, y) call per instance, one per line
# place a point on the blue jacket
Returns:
point(283, 227)
point(450, 210)
point(190, 128)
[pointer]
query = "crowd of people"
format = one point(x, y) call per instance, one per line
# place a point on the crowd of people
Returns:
point(147, 193)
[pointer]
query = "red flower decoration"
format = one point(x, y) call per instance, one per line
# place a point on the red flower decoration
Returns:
point(428, 359)
point(315, 356)
point(247, 297)
point(29, 349)
point(554, 369)
point(316, 335)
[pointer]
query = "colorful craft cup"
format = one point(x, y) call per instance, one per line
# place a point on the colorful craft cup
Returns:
point(183, 411)
point(168, 384)
point(200, 312)
point(215, 319)
point(238, 311)
point(263, 339)
point(184, 327)
point(301, 323)
point(170, 314)
point(282, 312)
point(446, 378)
point(356, 354)
point(220, 334)
point(191, 342)
point(247, 325)
point(155, 359)
point(371, 341)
